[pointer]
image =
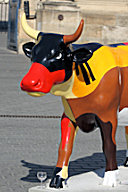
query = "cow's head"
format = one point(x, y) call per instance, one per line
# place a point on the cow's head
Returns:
point(51, 58)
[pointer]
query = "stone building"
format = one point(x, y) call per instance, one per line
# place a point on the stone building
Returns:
point(106, 21)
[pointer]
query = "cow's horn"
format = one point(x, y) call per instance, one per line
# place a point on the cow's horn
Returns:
point(28, 30)
point(71, 38)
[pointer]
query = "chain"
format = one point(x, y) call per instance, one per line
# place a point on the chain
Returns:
point(31, 116)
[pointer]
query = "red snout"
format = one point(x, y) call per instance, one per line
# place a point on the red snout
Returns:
point(40, 79)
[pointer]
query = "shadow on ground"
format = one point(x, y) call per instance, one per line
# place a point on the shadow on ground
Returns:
point(79, 166)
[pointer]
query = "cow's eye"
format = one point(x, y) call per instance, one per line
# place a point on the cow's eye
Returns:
point(52, 52)
point(59, 56)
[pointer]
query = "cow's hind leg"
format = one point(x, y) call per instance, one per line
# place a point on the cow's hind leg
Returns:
point(126, 135)
point(68, 131)
point(109, 149)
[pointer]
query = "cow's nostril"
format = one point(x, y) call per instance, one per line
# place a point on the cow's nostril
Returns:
point(28, 84)
point(35, 83)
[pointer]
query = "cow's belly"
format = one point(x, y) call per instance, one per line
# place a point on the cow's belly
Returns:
point(123, 117)
point(88, 122)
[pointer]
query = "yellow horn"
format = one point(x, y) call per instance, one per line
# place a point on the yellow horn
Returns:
point(28, 30)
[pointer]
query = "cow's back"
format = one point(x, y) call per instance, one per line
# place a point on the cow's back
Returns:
point(102, 61)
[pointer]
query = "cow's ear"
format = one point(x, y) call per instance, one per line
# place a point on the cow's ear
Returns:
point(81, 55)
point(27, 48)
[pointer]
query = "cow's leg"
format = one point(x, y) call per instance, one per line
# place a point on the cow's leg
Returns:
point(109, 149)
point(68, 131)
point(126, 135)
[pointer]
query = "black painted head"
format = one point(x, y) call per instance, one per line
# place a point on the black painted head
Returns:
point(52, 60)
point(51, 52)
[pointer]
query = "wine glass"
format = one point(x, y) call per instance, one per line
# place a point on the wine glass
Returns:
point(42, 177)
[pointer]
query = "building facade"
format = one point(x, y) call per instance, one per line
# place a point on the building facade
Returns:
point(106, 21)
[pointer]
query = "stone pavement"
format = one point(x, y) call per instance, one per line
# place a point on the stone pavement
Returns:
point(28, 145)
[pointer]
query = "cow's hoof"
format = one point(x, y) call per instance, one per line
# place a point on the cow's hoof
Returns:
point(56, 182)
point(111, 178)
point(126, 162)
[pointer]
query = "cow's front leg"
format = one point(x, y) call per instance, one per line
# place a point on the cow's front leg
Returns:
point(68, 131)
point(126, 135)
point(109, 148)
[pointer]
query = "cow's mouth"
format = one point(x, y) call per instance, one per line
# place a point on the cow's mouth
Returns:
point(36, 94)
point(36, 88)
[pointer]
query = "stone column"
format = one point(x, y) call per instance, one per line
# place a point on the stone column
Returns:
point(58, 17)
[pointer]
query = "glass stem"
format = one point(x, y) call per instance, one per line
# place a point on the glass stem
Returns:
point(41, 184)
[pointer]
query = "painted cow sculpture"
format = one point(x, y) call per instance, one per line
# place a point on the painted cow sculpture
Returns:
point(92, 80)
